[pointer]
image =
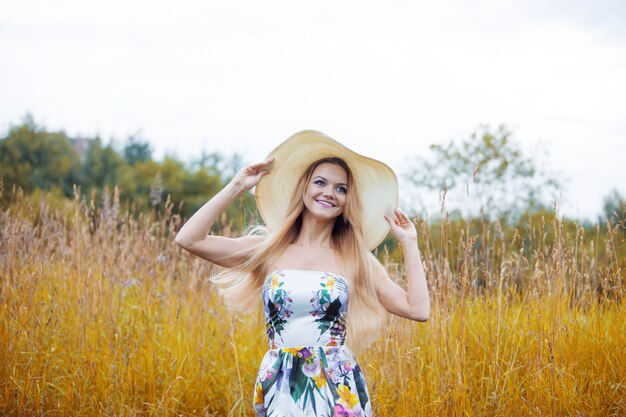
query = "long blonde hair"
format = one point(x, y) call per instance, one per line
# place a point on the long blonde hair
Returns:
point(241, 286)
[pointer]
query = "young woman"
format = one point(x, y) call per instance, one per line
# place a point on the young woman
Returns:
point(325, 208)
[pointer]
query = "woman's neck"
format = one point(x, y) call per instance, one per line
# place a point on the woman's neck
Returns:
point(314, 233)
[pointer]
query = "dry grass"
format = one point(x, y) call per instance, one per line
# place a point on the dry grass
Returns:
point(100, 314)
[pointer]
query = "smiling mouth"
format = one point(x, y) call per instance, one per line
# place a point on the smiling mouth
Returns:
point(325, 203)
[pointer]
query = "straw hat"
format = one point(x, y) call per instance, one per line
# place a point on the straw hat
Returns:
point(376, 183)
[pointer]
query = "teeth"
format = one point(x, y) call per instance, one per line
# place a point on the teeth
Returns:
point(325, 203)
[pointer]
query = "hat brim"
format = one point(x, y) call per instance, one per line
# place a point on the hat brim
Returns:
point(376, 183)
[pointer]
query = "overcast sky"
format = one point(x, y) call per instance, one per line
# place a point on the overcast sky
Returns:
point(386, 78)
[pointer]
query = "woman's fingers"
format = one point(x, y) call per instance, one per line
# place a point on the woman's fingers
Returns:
point(401, 219)
point(395, 219)
point(265, 167)
point(264, 164)
point(401, 226)
point(258, 168)
point(249, 175)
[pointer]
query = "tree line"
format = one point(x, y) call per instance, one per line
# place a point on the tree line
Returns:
point(33, 158)
point(504, 182)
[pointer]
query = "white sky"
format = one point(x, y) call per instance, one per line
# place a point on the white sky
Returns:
point(386, 78)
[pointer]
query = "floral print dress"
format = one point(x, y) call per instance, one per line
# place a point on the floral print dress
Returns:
point(307, 370)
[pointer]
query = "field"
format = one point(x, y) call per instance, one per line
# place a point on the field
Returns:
point(101, 314)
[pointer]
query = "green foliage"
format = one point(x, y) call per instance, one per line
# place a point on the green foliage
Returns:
point(206, 168)
point(136, 183)
point(137, 150)
point(490, 171)
point(31, 158)
point(101, 166)
point(198, 185)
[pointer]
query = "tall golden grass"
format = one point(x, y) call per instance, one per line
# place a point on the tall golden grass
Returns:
point(101, 314)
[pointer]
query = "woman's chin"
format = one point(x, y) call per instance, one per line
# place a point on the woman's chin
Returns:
point(324, 214)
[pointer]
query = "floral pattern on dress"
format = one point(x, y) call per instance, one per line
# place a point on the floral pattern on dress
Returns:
point(329, 309)
point(277, 309)
point(308, 371)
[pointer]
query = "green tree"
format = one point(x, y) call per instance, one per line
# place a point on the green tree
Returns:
point(208, 174)
point(199, 187)
point(102, 166)
point(147, 184)
point(489, 172)
point(136, 150)
point(136, 183)
point(32, 158)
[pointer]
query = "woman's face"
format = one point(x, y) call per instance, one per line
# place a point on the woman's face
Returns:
point(326, 193)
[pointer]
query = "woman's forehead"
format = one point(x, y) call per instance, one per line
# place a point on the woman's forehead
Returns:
point(331, 172)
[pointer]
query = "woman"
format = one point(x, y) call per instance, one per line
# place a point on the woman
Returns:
point(326, 208)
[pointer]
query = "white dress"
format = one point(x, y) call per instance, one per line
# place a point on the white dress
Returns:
point(307, 370)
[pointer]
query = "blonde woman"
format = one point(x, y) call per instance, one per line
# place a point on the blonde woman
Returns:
point(325, 208)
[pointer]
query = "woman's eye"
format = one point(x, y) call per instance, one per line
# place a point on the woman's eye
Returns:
point(342, 190)
point(321, 183)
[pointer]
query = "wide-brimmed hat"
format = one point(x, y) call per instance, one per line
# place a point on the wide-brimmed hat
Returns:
point(376, 183)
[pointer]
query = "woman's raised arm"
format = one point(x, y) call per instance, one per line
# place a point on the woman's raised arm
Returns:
point(194, 235)
point(414, 303)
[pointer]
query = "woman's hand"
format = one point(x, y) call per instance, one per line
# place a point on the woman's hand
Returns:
point(414, 302)
point(402, 228)
point(194, 236)
point(250, 175)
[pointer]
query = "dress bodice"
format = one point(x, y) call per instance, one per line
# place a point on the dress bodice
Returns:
point(305, 308)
